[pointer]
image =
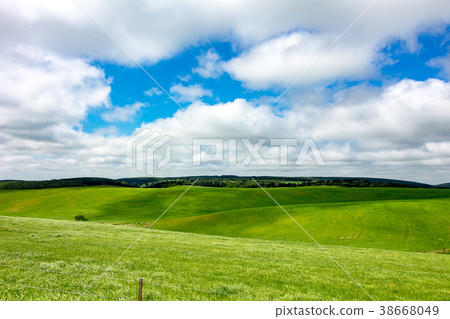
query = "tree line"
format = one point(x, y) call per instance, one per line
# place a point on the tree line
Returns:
point(227, 181)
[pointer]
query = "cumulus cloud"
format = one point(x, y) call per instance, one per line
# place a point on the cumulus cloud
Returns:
point(403, 115)
point(123, 113)
point(109, 130)
point(209, 65)
point(153, 91)
point(75, 153)
point(303, 53)
point(152, 31)
point(189, 93)
point(184, 78)
point(393, 132)
point(44, 99)
point(41, 90)
point(282, 60)
point(442, 63)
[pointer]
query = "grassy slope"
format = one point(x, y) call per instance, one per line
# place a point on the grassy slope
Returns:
point(413, 225)
point(388, 218)
point(199, 267)
point(130, 205)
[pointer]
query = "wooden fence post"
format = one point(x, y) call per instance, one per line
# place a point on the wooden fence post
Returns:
point(140, 289)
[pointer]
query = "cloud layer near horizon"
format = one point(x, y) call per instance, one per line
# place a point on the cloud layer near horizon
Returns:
point(356, 138)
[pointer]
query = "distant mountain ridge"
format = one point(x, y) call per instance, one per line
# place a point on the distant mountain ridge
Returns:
point(215, 181)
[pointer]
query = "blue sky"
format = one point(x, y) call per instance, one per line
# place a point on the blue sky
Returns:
point(376, 104)
point(414, 65)
point(129, 83)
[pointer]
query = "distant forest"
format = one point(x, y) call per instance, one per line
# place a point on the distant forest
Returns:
point(58, 183)
point(215, 181)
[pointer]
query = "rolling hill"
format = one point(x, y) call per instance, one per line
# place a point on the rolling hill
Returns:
point(225, 243)
point(63, 258)
point(388, 218)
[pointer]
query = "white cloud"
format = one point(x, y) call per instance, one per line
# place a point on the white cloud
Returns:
point(153, 91)
point(123, 113)
point(442, 63)
point(209, 65)
point(43, 100)
point(282, 60)
point(184, 78)
point(152, 31)
point(189, 93)
point(109, 130)
point(406, 114)
point(47, 90)
point(41, 90)
point(399, 131)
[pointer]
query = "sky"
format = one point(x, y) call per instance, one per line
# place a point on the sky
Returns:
point(352, 88)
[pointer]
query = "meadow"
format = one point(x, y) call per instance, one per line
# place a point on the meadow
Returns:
point(225, 244)
point(180, 266)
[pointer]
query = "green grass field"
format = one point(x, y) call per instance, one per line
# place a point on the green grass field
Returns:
point(226, 244)
point(180, 266)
